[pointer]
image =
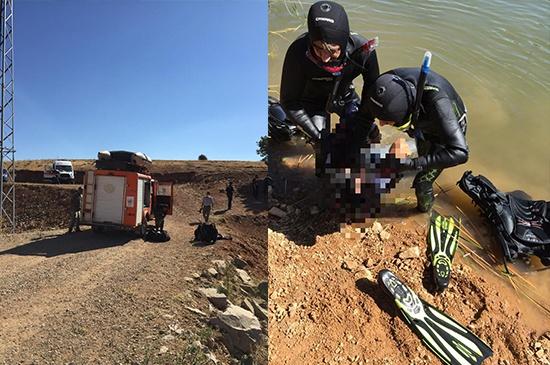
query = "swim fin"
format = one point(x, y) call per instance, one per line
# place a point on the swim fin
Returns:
point(450, 341)
point(442, 243)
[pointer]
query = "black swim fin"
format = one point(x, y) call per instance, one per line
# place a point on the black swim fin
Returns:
point(449, 340)
point(442, 244)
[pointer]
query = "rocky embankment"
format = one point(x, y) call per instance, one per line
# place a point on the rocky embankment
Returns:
point(237, 312)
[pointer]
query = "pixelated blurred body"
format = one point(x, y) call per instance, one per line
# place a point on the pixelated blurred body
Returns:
point(358, 189)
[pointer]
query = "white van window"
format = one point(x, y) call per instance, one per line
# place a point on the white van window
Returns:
point(64, 168)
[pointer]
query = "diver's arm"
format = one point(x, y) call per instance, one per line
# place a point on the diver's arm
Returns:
point(293, 82)
point(370, 73)
point(302, 119)
point(455, 151)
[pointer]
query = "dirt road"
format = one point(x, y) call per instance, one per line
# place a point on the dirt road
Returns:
point(86, 298)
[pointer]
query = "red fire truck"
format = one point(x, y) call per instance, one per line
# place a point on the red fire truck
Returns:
point(121, 199)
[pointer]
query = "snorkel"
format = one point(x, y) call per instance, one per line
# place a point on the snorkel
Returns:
point(424, 70)
point(411, 118)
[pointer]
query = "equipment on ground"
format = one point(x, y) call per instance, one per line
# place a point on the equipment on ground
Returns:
point(123, 160)
point(154, 235)
point(442, 244)
point(207, 233)
point(453, 343)
point(522, 226)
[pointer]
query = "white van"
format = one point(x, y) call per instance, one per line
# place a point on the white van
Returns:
point(60, 171)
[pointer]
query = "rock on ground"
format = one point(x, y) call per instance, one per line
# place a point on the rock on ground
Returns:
point(241, 329)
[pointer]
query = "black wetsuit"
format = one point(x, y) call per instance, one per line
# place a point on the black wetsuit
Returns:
point(441, 122)
point(439, 131)
point(306, 87)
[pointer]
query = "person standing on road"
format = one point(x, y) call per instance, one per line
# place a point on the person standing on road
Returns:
point(207, 206)
point(76, 204)
point(229, 190)
point(160, 213)
point(255, 187)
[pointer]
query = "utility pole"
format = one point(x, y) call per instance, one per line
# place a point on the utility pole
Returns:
point(7, 147)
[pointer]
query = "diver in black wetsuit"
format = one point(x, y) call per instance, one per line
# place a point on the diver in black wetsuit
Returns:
point(317, 77)
point(439, 131)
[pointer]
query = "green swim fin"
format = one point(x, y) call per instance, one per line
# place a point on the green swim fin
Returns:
point(442, 244)
point(449, 340)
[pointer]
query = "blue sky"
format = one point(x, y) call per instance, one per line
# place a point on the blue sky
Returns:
point(171, 78)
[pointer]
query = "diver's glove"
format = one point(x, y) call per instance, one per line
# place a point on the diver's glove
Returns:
point(374, 135)
point(363, 128)
point(412, 164)
point(303, 120)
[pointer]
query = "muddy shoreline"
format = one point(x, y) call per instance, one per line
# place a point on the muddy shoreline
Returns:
point(326, 307)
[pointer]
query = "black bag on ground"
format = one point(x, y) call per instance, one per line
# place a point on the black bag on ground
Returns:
point(522, 226)
point(206, 232)
point(154, 235)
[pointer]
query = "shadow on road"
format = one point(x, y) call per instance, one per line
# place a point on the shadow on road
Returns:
point(201, 243)
point(51, 246)
point(251, 203)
